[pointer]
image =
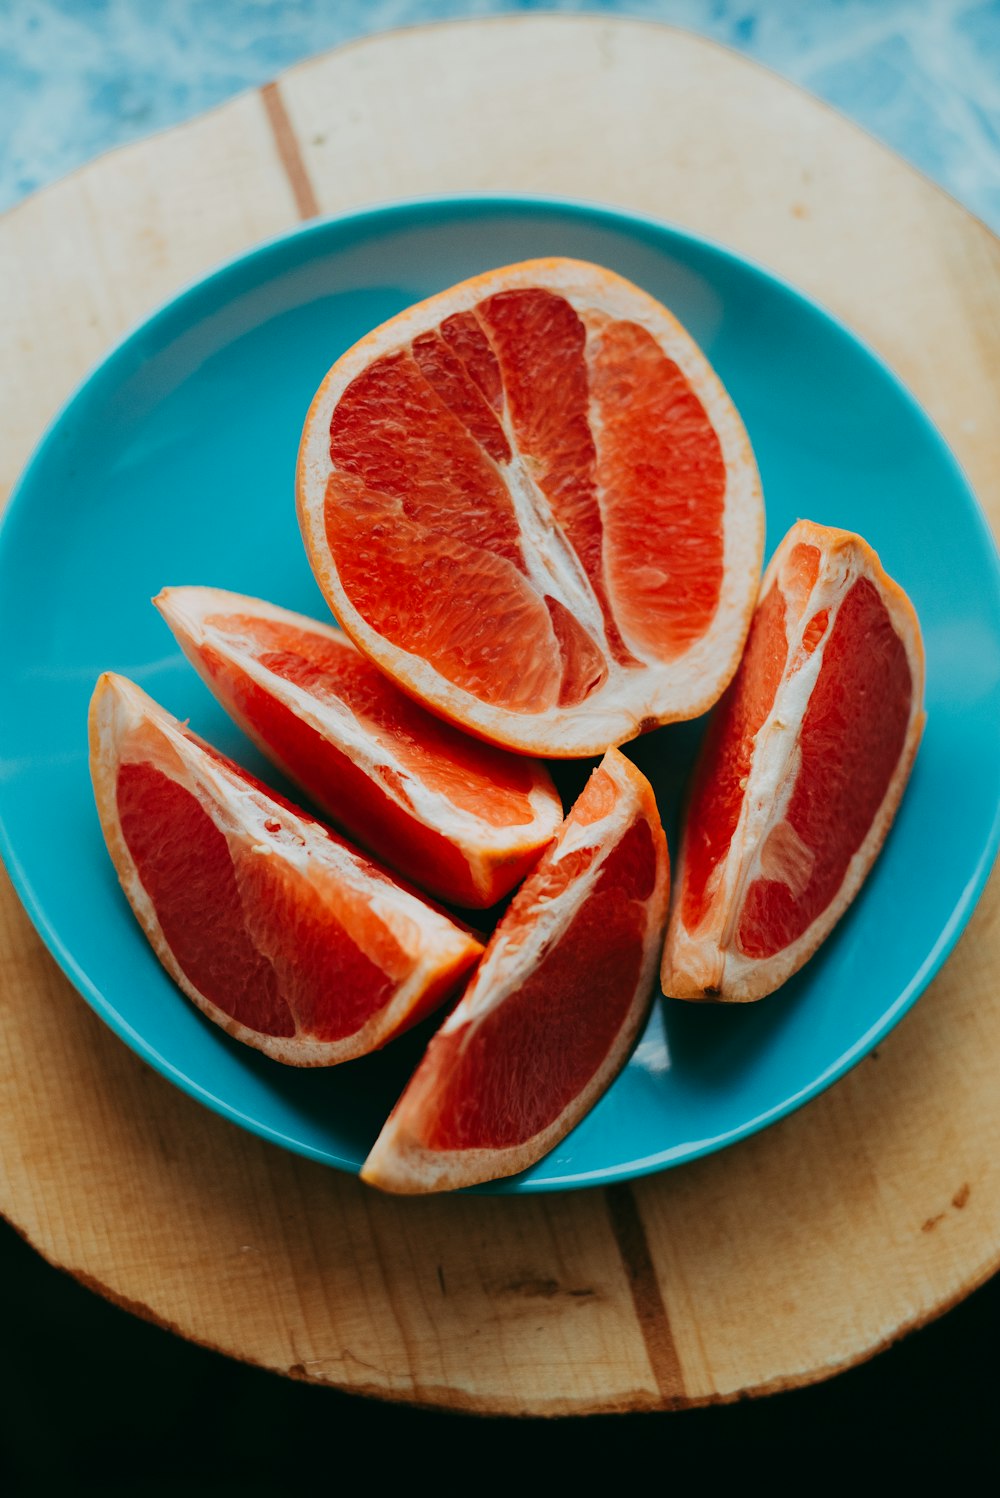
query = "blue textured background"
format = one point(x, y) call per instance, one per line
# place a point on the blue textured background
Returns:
point(80, 76)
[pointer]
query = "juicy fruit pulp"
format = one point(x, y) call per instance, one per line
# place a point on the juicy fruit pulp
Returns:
point(540, 1027)
point(660, 468)
point(279, 931)
point(550, 1016)
point(801, 771)
point(462, 819)
point(531, 502)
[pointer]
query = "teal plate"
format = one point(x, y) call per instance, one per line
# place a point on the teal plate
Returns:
point(174, 463)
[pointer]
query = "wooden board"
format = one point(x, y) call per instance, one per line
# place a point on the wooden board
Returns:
point(794, 1254)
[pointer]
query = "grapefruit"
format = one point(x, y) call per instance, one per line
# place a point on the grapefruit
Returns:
point(551, 1014)
point(801, 772)
point(530, 501)
point(280, 932)
point(463, 819)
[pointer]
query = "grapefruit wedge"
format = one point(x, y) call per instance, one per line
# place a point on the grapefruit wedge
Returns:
point(551, 1014)
point(531, 502)
point(462, 819)
point(801, 772)
point(279, 931)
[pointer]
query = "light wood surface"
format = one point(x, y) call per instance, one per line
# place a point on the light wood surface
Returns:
point(794, 1254)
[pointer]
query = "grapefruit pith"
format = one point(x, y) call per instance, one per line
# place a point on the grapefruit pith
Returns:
point(531, 502)
point(801, 772)
point(279, 931)
point(462, 819)
point(551, 1014)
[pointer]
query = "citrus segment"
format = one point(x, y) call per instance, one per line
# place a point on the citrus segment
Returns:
point(450, 379)
point(724, 767)
point(184, 864)
point(801, 771)
point(531, 502)
point(583, 666)
point(662, 481)
point(460, 818)
point(494, 639)
point(540, 342)
point(466, 339)
point(283, 934)
point(551, 1014)
point(396, 436)
point(850, 742)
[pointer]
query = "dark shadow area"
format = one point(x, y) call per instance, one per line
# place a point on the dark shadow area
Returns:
point(358, 1095)
point(666, 757)
point(714, 1043)
point(95, 1401)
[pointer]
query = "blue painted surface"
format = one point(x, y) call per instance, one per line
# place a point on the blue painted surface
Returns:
point(80, 76)
point(174, 464)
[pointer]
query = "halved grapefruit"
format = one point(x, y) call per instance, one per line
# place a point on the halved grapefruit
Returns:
point(802, 769)
point(530, 501)
point(551, 1014)
point(279, 931)
point(462, 819)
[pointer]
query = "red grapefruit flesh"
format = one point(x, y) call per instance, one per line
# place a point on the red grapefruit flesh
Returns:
point(462, 819)
point(279, 931)
point(531, 503)
point(802, 769)
point(551, 1014)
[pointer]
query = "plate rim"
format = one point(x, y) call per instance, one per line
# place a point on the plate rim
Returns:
point(443, 207)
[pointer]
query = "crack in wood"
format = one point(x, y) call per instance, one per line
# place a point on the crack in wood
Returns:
point(647, 1298)
point(289, 151)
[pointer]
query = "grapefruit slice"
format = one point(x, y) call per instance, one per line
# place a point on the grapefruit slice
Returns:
point(462, 819)
point(551, 1014)
point(530, 501)
point(801, 772)
point(279, 931)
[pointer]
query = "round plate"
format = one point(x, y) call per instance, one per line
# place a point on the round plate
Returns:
point(174, 464)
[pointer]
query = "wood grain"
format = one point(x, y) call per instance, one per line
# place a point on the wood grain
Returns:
point(791, 1255)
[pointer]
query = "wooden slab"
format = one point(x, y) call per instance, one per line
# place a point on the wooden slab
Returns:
point(794, 1254)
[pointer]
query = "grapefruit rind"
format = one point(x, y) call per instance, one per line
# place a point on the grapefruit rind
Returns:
point(128, 726)
point(630, 701)
point(495, 855)
point(705, 964)
point(399, 1161)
